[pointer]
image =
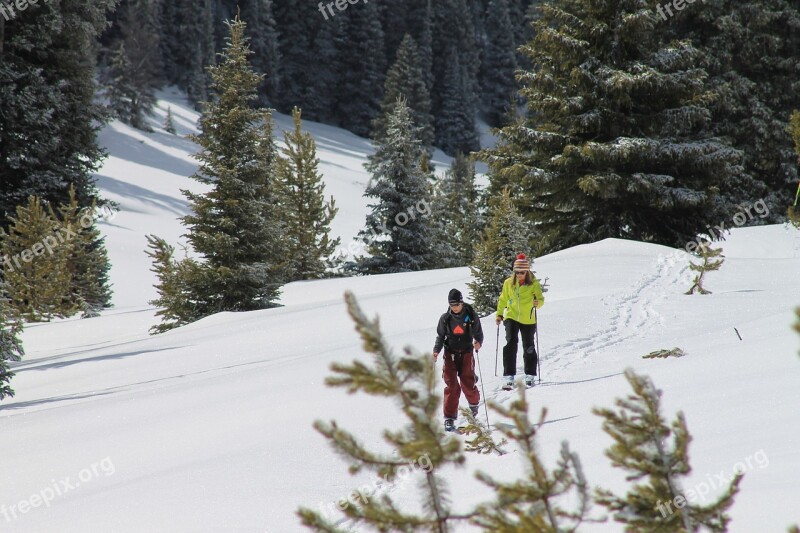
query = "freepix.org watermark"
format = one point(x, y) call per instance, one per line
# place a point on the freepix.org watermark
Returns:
point(359, 247)
point(61, 235)
point(665, 10)
point(7, 9)
point(57, 489)
point(363, 494)
point(341, 5)
point(714, 482)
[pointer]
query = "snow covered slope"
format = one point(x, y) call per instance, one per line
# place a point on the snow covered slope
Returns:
point(208, 428)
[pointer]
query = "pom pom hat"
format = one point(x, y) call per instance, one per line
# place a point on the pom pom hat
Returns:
point(521, 264)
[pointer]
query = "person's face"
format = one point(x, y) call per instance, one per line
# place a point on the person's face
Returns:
point(456, 307)
point(520, 276)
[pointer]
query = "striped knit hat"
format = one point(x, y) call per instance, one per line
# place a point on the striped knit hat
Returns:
point(521, 264)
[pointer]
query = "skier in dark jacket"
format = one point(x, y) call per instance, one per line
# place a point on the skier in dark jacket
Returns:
point(459, 331)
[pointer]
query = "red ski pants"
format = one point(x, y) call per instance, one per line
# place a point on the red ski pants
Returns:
point(459, 367)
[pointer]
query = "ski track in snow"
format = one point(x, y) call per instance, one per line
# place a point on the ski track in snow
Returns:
point(630, 315)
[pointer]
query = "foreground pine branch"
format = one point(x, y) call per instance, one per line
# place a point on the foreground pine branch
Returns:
point(641, 447)
point(535, 503)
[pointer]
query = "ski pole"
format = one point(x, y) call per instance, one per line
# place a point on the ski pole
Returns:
point(496, 349)
point(538, 352)
point(483, 391)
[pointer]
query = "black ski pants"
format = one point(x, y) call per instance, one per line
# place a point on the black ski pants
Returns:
point(514, 330)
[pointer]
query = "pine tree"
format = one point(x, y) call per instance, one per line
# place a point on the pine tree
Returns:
point(405, 80)
point(236, 226)
point(617, 141)
point(421, 444)
point(320, 104)
point(363, 66)
point(308, 215)
point(188, 45)
point(751, 48)
point(88, 262)
point(710, 264)
point(136, 64)
point(456, 203)
point(36, 252)
point(264, 44)
point(169, 122)
point(299, 22)
point(10, 345)
point(456, 64)
point(498, 85)
point(398, 233)
point(640, 434)
point(455, 122)
point(536, 502)
point(47, 90)
point(177, 303)
point(794, 130)
point(506, 235)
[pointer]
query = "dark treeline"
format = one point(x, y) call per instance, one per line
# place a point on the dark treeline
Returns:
point(333, 64)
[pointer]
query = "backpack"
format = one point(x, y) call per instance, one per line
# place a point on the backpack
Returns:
point(466, 336)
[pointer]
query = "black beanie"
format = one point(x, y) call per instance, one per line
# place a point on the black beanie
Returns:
point(454, 296)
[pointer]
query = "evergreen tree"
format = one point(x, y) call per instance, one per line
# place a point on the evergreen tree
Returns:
point(169, 122)
point(264, 44)
point(299, 22)
point(506, 235)
point(794, 130)
point(617, 143)
point(321, 104)
point(455, 123)
point(308, 215)
point(88, 262)
point(363, 69)
point(425, 47)
point(47, 90)
point(177, 304)
point(536, 502)
point(456, 64)
point(710, 263)
point(751, 52)
point(398, 233)
point(188, 45)
point(456, 206)
point(10, 345)
point(36, 252)
point(405, 80)
point(498, 85)
point(236, 226)
point(136, 64)
point(641, 448)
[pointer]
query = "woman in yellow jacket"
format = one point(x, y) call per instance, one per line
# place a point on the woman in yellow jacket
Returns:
point(521, 293)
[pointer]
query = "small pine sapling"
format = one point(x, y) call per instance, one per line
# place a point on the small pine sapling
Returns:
point(710, 264)
point(656, 503)
point(663, 354)
point(169, 123)
point(535, 503)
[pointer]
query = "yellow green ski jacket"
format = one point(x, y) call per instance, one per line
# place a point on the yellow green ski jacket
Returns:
point(516, 302)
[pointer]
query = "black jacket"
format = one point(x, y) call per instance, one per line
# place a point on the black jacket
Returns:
point(450, 324)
